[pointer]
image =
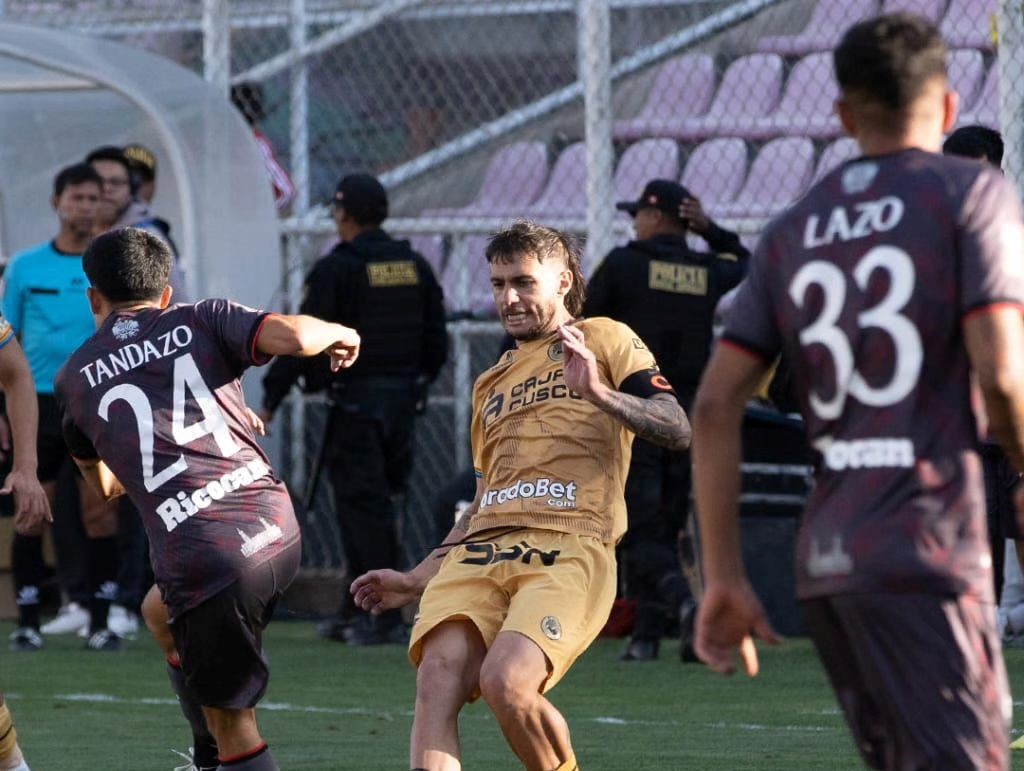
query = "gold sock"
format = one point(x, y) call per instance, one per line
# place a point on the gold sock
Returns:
point(569, 765)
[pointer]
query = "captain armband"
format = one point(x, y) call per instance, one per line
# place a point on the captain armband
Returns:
point(646, 383)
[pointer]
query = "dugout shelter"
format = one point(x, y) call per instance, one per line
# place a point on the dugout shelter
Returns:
point(63, 94)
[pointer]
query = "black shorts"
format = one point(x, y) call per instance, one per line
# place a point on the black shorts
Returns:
point(1001, 480)
point(920, 679)
point(220, 641)
point(50, 447)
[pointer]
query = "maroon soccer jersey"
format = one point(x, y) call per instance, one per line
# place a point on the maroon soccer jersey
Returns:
point(863, 285)
point(155, 394)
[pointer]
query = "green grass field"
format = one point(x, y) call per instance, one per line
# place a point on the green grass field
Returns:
point(330, 707)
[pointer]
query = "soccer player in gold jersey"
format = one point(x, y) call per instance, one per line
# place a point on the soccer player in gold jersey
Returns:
point(526, 578)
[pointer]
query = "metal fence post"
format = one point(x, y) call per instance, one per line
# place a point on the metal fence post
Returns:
point(217, 44)
point(1011, 80)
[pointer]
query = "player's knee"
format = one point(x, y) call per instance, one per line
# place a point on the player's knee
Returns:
point(443, 679)
point(503, 688)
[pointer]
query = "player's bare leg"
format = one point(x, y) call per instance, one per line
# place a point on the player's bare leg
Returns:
point(510, 680)
point(11, 758)
point(204, 746)
point(239, 739)
point(447, 676)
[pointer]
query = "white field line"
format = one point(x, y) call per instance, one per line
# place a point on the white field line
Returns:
point(272, 706)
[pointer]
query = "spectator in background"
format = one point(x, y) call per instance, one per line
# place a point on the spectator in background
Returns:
point(667, 293)
point(978, 142)
point(248, 100)
point(44, 301)
point(120, 208)
point(390, 293)
point(143, 170)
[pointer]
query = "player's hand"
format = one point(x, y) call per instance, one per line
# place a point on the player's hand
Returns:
point(345, 350)
point(31, 506)
point(381, 590)
point(256, 421)
point(692, 211)
point(728, 619)
point(580, 364)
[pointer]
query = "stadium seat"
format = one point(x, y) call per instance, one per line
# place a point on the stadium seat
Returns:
point(749, 90)
point(778, 175)
point(985, 108)
point(682, 88)
point(808, 103)
point(715, 170)
point(968, 24)
point(563, 194)
point(928, 9)
point(643, 161)
point(828, 22)
point(839, 151)
point(965, 73)
point(466, 279)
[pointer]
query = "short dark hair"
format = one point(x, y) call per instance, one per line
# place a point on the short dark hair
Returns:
point(110, 153)
point(975, 142)
point(128, 264)
point(75, 174)
point(888, 60)
point(524, 238)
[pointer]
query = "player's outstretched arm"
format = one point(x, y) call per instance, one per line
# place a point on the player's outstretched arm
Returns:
point(730, 613)
point(31, 506)
point(301, 335)
point(381, 590)
point(658, 419)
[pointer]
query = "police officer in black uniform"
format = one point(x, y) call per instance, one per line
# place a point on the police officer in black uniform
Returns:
point(666, 292)
point(379, 285)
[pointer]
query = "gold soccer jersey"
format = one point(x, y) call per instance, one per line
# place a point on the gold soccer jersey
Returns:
point(548, 458)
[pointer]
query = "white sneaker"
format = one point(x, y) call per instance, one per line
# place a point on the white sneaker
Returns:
point(70, 618)
point(122, 621)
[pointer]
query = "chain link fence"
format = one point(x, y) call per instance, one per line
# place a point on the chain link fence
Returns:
point(473, 113)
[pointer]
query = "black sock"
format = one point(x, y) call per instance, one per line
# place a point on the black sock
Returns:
point(102, 566)
point(259, 759)
point(28, 569)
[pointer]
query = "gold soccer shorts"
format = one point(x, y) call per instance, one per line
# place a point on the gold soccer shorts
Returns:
point(556, 589)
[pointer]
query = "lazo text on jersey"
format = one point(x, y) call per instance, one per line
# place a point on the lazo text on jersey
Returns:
point(843, 225)
point(133, 355)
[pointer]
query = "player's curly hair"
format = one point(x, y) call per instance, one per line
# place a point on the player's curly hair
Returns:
point(524, 238)
point(127, 265)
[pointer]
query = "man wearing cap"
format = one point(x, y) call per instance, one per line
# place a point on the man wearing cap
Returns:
point(666, 292)
point(143, 169)
point(390, 291)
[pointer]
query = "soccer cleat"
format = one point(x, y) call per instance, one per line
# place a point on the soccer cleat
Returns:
point(640, 650)
point(25, 640)
point(122, 621)
point(70, 618)
point(1018, 743)
point(190, 764)
point(103, 640)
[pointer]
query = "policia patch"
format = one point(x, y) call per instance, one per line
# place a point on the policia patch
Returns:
point(678, 279)
point(398, 273)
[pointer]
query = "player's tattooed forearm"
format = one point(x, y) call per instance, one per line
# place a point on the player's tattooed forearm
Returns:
point(659, 420)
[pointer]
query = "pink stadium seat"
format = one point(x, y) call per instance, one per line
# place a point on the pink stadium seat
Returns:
point(563, 194)
point(965, 73)
point(749, 90)
point(985, 108)
point(715, 170)
point(807, 106)
point(643, 161)
point(778, 175)
point(829, 20)
point(513, 178)
point(431, 246)
point(836, 153)
point(682, 88)
point(968, 24)
point(466, 279)
point(929, 9)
